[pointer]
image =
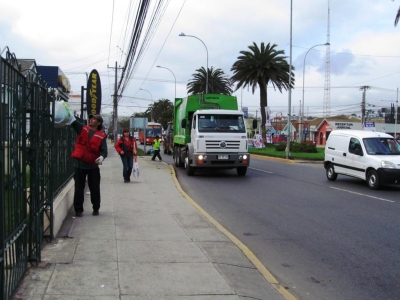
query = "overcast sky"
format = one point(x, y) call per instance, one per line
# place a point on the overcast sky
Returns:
point(79, 36)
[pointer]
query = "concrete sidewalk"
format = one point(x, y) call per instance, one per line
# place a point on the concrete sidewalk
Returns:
point(148, 243)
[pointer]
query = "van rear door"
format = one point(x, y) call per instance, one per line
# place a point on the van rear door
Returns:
point(336, 150)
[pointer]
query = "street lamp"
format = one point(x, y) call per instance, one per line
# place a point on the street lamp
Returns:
point(302, 102)
point(173, 75)
point(152, 117)
point(137, 105)
point(182, 34)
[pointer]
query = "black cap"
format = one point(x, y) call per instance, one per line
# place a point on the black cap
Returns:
point(97, 117)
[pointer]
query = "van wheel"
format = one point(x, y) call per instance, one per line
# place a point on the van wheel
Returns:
point(373, 180)
point(330, 173)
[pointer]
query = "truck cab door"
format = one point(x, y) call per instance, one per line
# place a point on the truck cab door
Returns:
point(193, 129)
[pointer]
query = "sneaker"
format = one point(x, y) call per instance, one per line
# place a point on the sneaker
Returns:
point(126, 181)
point(153, 159)
point(78, 214)
point(95, 213)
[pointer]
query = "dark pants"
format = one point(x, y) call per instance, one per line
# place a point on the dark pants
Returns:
point(156, 154)
point(94, 177)
point(127, 163)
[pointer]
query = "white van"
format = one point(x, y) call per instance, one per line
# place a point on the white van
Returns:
point(371, 156)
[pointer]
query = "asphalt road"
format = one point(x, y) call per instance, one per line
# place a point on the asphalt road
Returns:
point(320, 239)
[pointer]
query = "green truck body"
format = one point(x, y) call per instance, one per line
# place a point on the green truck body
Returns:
point(209, 132)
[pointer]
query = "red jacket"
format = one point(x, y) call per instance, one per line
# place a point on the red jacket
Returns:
point(127, 147)
point(85, 150)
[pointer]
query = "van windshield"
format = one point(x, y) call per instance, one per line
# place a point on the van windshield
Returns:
point(381, 146)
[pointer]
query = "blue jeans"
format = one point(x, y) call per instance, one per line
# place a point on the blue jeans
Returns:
point(127, 163)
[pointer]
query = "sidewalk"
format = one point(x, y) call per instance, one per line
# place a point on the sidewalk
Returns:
point(148, 243)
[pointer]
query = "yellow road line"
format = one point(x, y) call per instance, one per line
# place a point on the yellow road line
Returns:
point(272, 158)
point(249, 254)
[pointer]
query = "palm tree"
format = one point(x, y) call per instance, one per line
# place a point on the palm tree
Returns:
point(396, 20)
point(218, 82)
point(259, 67)
point(162, 111)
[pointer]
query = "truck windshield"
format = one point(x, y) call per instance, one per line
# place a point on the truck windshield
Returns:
point(221, 123)
point(382, 146)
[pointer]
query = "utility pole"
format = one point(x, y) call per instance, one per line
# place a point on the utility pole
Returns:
point(364, 89)
point(115, 107)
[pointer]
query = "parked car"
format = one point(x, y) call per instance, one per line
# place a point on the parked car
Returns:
point(371, 156)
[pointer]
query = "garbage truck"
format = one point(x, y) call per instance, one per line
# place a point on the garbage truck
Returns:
point(209, 132)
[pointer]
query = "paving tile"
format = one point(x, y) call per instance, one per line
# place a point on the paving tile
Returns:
point(170, 279)
point(160, 252)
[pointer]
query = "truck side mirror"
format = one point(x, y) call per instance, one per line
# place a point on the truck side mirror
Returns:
point(254, 124)
point(183, 125)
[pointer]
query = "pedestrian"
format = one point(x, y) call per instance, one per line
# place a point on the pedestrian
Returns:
point(156, 148)
point(90, 152)
point(111, 135)
point(127, 148)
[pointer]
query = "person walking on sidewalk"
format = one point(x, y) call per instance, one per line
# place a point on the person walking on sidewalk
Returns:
point(127, 148)
point(90, 151)
point(156, 148)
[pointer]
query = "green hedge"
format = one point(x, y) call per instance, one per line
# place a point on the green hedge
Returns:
point(297, 147)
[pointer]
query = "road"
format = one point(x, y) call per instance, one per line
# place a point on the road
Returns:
point(320, 239)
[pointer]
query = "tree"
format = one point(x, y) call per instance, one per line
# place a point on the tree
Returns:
point(163, 110)
point(218, 82)
point(396, 20)
point(123, 122)
point(259, 67)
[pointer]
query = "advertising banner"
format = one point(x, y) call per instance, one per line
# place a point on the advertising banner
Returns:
point(245, 111)
point(93, 93)
point(267, 117)
point(369, 126)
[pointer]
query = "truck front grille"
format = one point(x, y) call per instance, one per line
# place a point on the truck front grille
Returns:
point(218, 145)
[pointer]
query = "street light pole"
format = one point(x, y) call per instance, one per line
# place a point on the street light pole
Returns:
point(152, 117)
point(182, 34)
point(173, 75)
point(290, 85)
point(302, 102)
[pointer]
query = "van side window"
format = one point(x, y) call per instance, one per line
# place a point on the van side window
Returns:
point(355, 146)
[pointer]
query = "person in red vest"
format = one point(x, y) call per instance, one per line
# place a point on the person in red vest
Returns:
point(90, 151)
point(127, 148)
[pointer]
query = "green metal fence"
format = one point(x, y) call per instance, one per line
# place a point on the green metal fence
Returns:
point(35, 165)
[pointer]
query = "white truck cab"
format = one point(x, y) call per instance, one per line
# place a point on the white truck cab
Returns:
point(218, 140)
point(371, 156)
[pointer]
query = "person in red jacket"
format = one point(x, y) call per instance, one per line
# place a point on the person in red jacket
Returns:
point(90, 151)
point(127, 148)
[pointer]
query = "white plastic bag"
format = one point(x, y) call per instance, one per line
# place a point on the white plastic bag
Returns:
point(135, 168)
point(62, 114)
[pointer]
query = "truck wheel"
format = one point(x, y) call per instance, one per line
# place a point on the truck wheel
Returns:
point(373, 180)
point(188, 167)
point(241, 171)
point(330, 173)
point(177, 157)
